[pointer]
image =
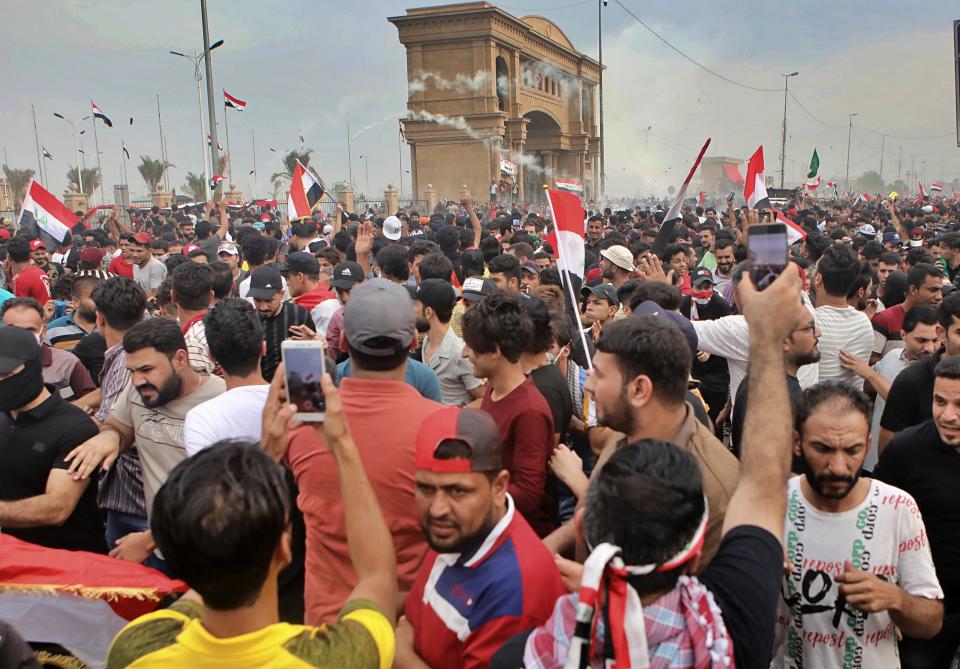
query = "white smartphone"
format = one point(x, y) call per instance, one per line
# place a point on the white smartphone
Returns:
point(303, 363)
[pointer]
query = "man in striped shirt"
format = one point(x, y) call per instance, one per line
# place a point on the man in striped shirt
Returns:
point(281, 320)
point(193, 294)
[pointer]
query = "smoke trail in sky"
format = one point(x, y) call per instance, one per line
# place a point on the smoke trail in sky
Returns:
point(461, 83)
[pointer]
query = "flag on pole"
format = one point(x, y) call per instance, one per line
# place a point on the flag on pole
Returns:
point(936, 186)
point(210, 142)
point(755, 184)
point(673, 215)
point(566, 210)
point(236, 103)
point(923, 194)
point(831, 184)
point(306, 190)
point(215, 180)
point(700, 197)
point(795, 233)
point(124, 147)
point(813, 184)
point(569, 185)
point(100, 115)
point(43, 215)
point(46, 154)
point(814, 165)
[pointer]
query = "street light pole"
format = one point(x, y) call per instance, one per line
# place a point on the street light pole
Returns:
point(211, 107)
point(846, 184)
point(603, 171)
point(76, 145)
point(195, 59)
point(783, 143)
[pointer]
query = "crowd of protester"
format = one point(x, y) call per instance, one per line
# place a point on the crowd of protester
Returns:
point(653, 465)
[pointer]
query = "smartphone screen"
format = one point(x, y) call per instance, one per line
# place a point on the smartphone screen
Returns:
point(304, 368)
point(767, 246)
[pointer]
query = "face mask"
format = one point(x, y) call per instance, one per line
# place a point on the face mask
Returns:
point(701, 296)
point(36, 335)
point(916, 242)
point(21, 388)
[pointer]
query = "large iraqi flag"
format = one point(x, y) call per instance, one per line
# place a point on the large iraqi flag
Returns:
point(568, 215)
point(43, 215)
point(305, 193)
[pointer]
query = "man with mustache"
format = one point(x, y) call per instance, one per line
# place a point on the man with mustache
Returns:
point(856, 548)
point(149, 413)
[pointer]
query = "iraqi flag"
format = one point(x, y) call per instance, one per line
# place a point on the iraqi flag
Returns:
point(755, 183)
point(673, 215)
point(795, 233)
point(46, 154)
point(210, 142)
point(215, 181)
point(235, 103)
point(44, 216)
point(305, 193)
point(75, 599)
point(923, 194)
point(566, 210)
point(569, 185)
point(813, 184)
point(936, 186)
point(100, 115)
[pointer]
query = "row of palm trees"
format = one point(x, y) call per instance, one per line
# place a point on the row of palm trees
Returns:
point(152, 171)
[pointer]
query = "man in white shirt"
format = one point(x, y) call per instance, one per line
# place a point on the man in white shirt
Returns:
point(857, 549)
point(841, 325)
point(147, 270)
point(920, 341)
point(235, 337)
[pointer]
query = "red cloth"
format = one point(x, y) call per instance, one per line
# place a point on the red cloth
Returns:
point(310, 299)
point(121, 267)
point(526, 427)
point(32, 282)
point(384, 417)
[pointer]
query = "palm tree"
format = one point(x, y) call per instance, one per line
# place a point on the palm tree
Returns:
point(195, 186)
point(18, 180)
point(152, 172)
point(91, 179)
point(289, 164)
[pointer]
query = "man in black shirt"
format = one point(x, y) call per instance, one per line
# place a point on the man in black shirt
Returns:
point(281, 320)
point(911, 394)
point(923, 461)
point(39, 501)
point(703, 304)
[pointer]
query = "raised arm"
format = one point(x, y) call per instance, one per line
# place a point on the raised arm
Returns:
point(474, 220)
point(760, 498)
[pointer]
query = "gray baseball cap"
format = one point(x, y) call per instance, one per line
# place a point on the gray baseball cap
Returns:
point(378, 318)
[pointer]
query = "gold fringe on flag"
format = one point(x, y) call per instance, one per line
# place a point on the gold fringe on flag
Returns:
point(89, 592)
point(63, 661)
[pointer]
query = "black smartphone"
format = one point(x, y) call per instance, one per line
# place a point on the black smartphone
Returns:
point(767, 249)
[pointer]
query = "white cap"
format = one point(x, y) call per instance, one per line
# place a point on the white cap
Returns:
point(392, 228)
point(327, 229)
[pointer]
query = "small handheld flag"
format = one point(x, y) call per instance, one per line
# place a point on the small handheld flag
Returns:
point(936, 186)
point(235, 103)
point(43, 215)
point(673, 214)
point(814, 165)
point(755, 184)
point(100, 115)
point(214, 180)
point(306, 190)
point(46, 154)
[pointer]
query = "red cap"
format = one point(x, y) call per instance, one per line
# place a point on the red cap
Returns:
point(472, 427)
point(142, 238)
point(4, 233)
point(190, 248)
point(37, 244)
point(92, 254)
point(593, 275)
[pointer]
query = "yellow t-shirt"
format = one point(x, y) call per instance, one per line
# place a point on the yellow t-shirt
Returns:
point(362, 638)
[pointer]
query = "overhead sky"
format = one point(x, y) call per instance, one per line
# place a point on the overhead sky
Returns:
point(313, 67)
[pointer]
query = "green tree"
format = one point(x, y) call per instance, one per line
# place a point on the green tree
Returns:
point(18, 180)
point(91, 179)
point(195, 186)
point(289, 164)
point(152, 172)
point(870, 182)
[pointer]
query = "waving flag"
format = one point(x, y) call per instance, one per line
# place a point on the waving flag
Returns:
point(569, 185)
point(215, 181)
point(305, 193)
point(566, 210)
point(43, 215)
point(100, 115)
point(936, 186)
point(46, 154)
point(124, 147)
point(814, 165)
point(236, 103)
point(923, 194)
point(210, 141)
point(755, 184)
point(813, 184)
point(795, 233)
point(700, 197)
point(673, 215)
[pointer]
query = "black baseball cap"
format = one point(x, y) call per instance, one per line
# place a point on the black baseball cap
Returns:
point(346, 275)
point(604, 291)
point(436, 294)
point(301, 261)
point(18, 346)
point(700, 275)
point(476, 288)
point(265, 282)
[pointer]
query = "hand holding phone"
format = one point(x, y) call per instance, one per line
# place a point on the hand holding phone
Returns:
point(767, 249)
point(303, 366)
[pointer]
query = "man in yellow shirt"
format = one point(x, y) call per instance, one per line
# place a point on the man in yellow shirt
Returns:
point(222, 523)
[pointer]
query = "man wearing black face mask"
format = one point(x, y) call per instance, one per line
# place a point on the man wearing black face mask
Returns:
point(39, 501)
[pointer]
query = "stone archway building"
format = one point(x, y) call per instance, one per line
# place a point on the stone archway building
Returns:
point(511, 94)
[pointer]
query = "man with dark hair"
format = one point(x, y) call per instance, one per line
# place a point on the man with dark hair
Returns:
point(909, 400)
point(192, 295)
point(441, 347)
point(498, 564)
point(147, 270)
point(66, 331)
point(889, 263)
point(280, 319)
point(495, 334)
point(39, 501)
point(841, 326)
point(234, 336)
point(861, 541)
point(393, 264)
point(504, 270)
point(950, 249)
point(383, 412)
point(676, 259)
point(223, 520)
point(722, 275)
point(222, 280)
point(435, 266)
point(922, 460)
point(24, 278)
point(148, 414)
point(258, 251)
point(923, 287)
point(302, 272)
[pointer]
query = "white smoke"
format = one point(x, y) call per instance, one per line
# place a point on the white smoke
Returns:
point(375, 124)
point(461, 83)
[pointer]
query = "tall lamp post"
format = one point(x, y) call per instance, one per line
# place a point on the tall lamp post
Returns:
point(196, 60)
point(76, 144)
point(846, 184)
point(366, 170)
point(783, 142)
point(603, 171)
point(211, 106)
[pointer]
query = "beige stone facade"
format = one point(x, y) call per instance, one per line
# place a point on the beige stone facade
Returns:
point(526, 96)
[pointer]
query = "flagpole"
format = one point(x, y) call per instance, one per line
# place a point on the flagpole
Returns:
point(36, 138)
point(163, 150)
point(226, 129)
point(253, 141)
point(123, 161)
point(203, 132)
point(96, 147)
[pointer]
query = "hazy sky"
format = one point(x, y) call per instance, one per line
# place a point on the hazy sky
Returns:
point(313, 67)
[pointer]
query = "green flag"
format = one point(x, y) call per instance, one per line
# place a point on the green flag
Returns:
point(814, 165)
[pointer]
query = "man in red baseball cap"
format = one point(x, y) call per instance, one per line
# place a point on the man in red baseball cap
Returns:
point(38, 252)
point(487, 576)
